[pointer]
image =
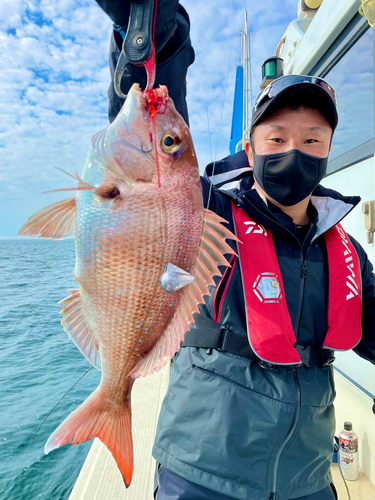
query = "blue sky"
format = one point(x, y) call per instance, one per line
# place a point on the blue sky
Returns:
point(54, 79)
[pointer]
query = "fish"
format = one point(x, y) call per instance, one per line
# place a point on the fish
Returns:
point(147, 252)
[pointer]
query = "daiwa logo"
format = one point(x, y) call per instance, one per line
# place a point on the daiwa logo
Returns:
point(255, 228)
point(350, 279)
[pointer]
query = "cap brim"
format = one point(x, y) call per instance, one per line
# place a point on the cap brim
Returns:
point(273, 104)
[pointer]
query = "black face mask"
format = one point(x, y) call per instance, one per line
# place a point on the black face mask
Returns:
point(289, 177)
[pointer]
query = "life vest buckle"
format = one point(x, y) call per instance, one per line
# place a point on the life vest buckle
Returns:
point(312, 355)
point(265, 365)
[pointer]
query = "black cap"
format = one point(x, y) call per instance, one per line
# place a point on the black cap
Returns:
point(282, 90)
point(348, 426)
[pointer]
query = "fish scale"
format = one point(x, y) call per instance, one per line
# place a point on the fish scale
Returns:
point(117, 251)
point(146, 254)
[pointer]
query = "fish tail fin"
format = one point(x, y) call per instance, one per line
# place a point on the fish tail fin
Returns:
point(93, 419)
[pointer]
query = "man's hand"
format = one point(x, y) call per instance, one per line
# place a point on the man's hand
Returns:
point(119, 11)
point(172, 47)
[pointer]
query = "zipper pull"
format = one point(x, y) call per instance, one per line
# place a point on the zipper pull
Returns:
point(303, 272)
point(272, 496)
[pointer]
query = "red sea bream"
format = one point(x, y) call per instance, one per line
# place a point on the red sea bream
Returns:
point(146, 252)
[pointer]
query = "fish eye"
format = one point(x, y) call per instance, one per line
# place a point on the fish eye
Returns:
point(170, 142)
point(107, 192)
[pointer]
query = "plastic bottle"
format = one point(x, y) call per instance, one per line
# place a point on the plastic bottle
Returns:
point(349, 452)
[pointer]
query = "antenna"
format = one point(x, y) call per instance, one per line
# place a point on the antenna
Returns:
point(247, 77)
point(241, 118)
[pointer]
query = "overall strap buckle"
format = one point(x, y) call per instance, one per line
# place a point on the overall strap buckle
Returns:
point(223, 341)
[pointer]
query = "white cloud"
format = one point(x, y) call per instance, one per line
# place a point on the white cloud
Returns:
point(10, 14)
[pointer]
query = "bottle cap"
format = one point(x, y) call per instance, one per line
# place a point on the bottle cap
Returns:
point(348, 426)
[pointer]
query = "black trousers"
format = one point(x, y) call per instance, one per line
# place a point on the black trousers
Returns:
point(170, 486)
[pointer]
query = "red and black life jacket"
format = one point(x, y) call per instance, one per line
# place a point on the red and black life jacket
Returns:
point(270, 329)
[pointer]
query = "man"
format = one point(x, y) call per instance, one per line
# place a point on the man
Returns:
point(249, 411)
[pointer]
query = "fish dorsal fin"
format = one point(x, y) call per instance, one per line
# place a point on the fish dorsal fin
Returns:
point(209, 256)
point(56, 222)
point(75, 326)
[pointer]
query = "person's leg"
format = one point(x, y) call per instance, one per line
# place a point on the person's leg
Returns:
point(328, 493)
point(170, 486)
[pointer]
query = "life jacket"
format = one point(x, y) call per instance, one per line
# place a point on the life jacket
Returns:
point(269, 324)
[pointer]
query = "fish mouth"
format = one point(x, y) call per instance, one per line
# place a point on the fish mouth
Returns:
point(131, 126)
point(144, 152)
point(129, 144)
point(128, 162)
point(144, 179)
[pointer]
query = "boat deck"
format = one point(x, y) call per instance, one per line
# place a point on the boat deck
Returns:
point(100, 478)
point(362, 489)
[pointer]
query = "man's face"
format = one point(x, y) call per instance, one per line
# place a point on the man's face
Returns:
point(306, 129)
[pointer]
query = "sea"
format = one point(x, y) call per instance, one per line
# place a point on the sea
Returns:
point(38, 366)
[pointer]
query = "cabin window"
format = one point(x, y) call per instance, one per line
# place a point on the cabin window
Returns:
point(353, 79)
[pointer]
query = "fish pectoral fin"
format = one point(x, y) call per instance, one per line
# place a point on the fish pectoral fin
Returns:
point(174, 278)
point(209, 256)
point(56, 222)
point(94, 419)
point(78, 331)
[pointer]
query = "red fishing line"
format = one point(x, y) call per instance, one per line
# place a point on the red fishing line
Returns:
point(156, 153)
point(149, 127)
point(155, 102)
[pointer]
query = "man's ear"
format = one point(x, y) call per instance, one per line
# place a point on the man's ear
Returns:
point(249, 152)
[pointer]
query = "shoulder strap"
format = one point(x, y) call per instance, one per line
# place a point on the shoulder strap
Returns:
point(345, 291)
